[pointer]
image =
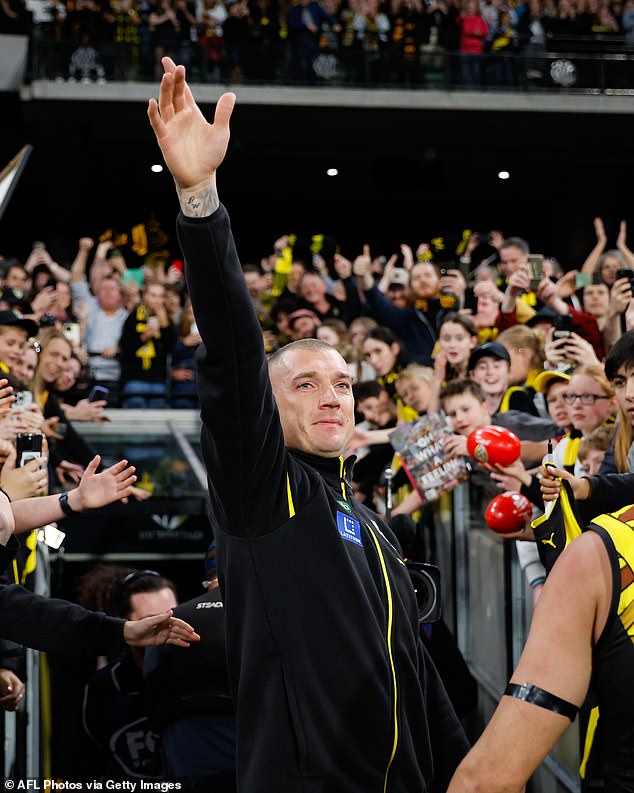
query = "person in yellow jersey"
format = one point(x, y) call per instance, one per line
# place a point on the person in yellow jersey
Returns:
point(581, 639)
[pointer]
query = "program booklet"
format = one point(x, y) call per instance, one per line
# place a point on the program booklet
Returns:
point(420, 446)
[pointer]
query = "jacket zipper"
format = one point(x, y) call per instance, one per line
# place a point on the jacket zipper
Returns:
point(390, 622)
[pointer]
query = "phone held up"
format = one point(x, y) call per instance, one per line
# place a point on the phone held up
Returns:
point(535, 269)
point(98, 393)
point(28, 447)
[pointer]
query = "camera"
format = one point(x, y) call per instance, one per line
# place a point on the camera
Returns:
point(484, 238)
point(425, 579)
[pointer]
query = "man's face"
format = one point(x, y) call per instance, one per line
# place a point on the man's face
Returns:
point(466, 413)
point(424, 281)
point(12, 341)
point(109, 295)
point(313, 288)
point(624, 387)
point(511, 259)
point(313, 391)
point(398, 295)
point(596, 299)
point(148, 604)
point(379, 410)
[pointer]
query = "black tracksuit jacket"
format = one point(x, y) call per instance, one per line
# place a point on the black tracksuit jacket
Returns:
point(333, 690)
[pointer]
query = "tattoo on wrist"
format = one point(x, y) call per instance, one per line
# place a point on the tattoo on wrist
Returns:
point(198, 203)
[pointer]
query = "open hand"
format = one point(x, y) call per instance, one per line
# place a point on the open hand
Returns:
point(159, 629)
point(192, 148)
point(96, 490)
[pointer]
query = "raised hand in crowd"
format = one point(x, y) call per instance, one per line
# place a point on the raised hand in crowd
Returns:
point(579, 351)
point(69, 473)
point(620, 296)
point(621, 244)
point(362, 268)
point(388, 273)
point(555, 349)
point(566, 285)
point(343, 266)
point(7, 397)
point(408, 257)
point(518, 282)
point(27, 481)
point(487, 288)
point(43, 302)
point(453, 281)
point(12, 690)
point(592, 261)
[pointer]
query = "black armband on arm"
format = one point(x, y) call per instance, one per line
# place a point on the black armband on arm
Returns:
point(543, 699)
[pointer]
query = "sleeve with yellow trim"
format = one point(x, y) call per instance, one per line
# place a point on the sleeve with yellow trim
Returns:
point(242, 441)
point(557, 527)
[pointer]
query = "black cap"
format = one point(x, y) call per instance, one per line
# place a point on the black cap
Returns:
point(545, 314)
point(19, 321)
point(492, 349)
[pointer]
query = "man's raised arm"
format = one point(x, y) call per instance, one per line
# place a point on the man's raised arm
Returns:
point(242, 438)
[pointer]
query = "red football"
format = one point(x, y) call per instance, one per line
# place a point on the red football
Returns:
point(508, 512)
point(495, 445)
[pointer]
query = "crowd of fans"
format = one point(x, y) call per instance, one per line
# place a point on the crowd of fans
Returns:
point(496, 335)
point(345, 41)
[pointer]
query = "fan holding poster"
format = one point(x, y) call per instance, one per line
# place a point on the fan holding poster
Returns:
point(421, 447)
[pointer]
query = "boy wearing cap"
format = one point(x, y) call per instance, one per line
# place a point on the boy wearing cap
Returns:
point(490, 367)
point(14, 331)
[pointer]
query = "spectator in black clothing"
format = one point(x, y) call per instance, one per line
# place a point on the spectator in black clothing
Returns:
point(114, 711)
point(183, 390)
point(195, 718)
point(147, 339)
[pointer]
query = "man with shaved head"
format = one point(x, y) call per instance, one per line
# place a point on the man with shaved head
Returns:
point(332, 688)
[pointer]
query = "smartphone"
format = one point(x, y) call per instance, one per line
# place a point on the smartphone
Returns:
point(22, 399)
point(582, 279)
point(28, 447)
point(535, 269)
point(72, 332)
point(97, 393)
point(625, 272)
point(562, 326)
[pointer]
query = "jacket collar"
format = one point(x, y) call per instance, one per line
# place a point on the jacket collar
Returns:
point(333, 470)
